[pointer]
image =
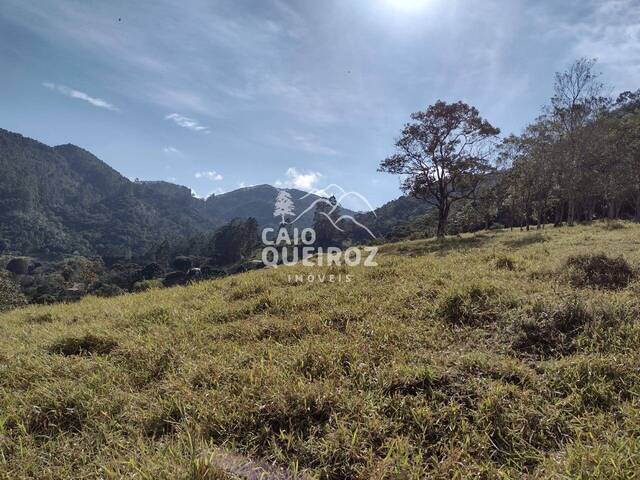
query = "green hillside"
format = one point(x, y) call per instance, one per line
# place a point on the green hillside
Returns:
point(492, 355)
point(60, 200)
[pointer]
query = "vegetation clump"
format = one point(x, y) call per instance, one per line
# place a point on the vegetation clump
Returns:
point(553, 329)
point(504, 262)
point(86, 345)
point(18, 266)
point(599, 271)
point(145, 285)
point(10, 294)
point(470, 304)
point(56, 414)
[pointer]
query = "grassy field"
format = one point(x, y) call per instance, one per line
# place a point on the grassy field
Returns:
point(482, 356)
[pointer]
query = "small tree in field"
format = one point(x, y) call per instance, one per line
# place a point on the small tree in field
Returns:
point(284, 205)
point(443, 155)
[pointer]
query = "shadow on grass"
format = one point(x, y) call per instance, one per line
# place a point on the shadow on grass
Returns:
point(439, 246)
point(528, 239)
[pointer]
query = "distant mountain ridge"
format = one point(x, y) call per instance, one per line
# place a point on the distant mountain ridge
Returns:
point(64, 199)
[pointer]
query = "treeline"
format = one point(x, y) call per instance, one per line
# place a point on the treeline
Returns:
point(578, 161)
point(228, 249)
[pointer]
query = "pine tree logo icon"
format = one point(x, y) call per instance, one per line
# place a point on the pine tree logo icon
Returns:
point(284, 206)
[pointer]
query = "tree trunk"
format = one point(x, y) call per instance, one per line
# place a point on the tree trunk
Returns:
point(571, 211)
point(443, 215)
point(638, 209)
point(591, 211)
point(559, 215)
point(611, 209)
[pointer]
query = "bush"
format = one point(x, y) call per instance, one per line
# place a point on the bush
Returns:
point(145, 285)
point(151, 271)
point(18, 266)
point(174, 278)
point(10, 294)
point(599, 271)
point(182, 264)
point(108, 290)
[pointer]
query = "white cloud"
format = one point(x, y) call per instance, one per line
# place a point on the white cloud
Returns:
point(210, 175)
point(300, 180)
point(611, 35)
point(70, 92)
point(245, 185)
point(187, 122)
point(217, 191)
point(172, 151)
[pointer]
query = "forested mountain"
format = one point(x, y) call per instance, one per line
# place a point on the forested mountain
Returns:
point(396, 219)
point(64, 199)
point(258, 202)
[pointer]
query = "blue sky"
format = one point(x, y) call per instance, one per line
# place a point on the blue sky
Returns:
point(218, 94)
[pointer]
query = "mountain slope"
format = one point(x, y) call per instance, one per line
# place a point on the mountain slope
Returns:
point(258, 202)
point(64, 199)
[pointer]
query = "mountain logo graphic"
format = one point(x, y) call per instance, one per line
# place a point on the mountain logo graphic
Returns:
point(285, 208)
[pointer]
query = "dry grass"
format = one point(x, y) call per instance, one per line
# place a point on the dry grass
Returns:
point(472, 357)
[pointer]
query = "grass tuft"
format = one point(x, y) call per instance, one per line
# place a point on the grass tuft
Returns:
point(552, 329)
point(86, 345)
point(599, 271)
point(471, 305)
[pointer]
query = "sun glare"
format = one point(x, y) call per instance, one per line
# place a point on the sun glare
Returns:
point(408, 5)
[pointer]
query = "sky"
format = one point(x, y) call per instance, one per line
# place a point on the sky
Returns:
point(221, 94)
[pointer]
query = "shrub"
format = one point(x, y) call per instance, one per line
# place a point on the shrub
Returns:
point(174, 278)
point(86, 345)
point(151, 271)
point(600, 271)
point(145, 285)
point(182, 264)
point(18, 266)
point(108, 290)
point(10, 294)
point(45, 299)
